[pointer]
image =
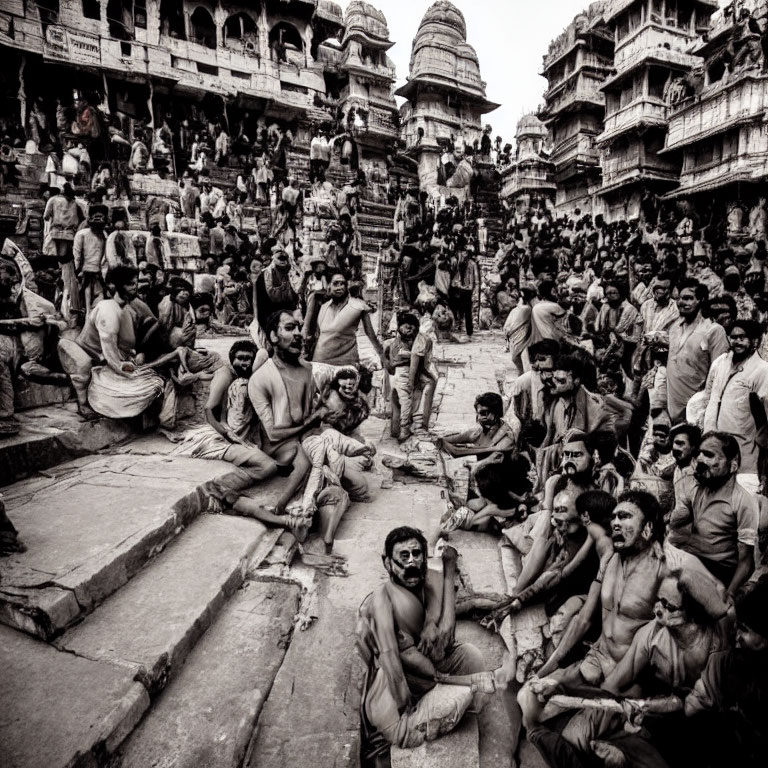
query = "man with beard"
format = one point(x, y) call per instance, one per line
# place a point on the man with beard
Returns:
point(737, 397)
point(572, 406)
point(230, 433)
point(406, 636)
point(337, 321)
point(685, 445)
point(281, 392)
point(714, 517)
point(694, 342)
point(528, 395)
point(625, 591)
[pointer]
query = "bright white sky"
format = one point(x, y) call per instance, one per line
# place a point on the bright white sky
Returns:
point(510, 37)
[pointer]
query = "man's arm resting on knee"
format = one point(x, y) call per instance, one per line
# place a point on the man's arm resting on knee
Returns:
point(576, 630)
point(382, 614)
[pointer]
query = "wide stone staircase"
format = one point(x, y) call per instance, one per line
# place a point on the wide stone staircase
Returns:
point(124, 572)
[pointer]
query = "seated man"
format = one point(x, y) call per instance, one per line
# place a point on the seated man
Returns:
point(624, 590)
point(231, 432)
point(406, 636)
point(25, 320)
point(116, 387)
point(728, 702)
point(282, 392)
point(714, 517)
point(491, 435)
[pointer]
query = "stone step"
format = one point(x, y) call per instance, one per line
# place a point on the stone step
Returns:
point(60, 709)
point(205, 717)
point(91, 528)
point(151, 625)
point(378, 209)
point(53, 434)
point(458, 749)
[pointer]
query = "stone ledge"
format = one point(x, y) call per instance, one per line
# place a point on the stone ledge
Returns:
point(60, 709)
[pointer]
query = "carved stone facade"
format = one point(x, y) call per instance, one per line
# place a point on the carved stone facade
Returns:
point(528, 180)
point(652, 38)
point(575, 66)
point(445, 93)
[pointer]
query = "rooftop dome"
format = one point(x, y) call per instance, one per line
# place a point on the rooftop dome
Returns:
point(367, 24)
point(442, 56)
point(530, 125)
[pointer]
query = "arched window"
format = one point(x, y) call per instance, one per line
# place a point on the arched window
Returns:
point(202, 28)
point(239, 26)
point(172, 19)
point(285, 37)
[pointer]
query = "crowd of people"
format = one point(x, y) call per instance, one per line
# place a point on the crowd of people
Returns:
point(623, 457)
point(624, 461)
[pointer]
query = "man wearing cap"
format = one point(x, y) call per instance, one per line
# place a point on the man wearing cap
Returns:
point(88, 249)
point(274, 291)
point(737, 397)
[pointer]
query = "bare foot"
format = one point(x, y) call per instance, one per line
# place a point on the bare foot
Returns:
point(612, 756)
point(505, 674)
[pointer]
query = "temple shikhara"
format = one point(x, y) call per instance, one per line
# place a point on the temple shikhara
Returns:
point(364, 407)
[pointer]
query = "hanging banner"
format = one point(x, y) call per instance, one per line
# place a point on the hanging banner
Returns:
point(67, 45)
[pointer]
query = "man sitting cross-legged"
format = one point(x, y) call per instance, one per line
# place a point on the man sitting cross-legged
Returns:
point(492, 433)
point(281, 392)
point(406, 636)
point(231, 432)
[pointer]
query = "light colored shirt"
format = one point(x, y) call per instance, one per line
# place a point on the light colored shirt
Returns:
point(728, 409)
point(721, 519)
point(88, 250)
point(337, 326)
point(692, 348)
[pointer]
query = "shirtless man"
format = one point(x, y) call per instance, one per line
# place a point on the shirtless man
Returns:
point(625, 590)
point(406, 635)
point(281, 392)
point(491, 435)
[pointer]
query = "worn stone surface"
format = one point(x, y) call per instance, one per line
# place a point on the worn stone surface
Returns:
point(153, 622)
point(457, 749)
point(91, 530)
point(321, 665)
point(207, 714)
point(58, 708)
point(52, 434)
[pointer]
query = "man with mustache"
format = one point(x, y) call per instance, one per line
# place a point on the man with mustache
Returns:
point(406, 636)
point(625, 592)
point(714, 517)
point(685, 444)
point(281, 392)
point(737, 395)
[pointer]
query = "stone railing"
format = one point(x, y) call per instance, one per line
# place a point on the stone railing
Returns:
point(742, 98)
point(644, 110)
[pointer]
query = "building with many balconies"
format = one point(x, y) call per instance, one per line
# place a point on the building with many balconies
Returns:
point(717, 123)
point(528, 180)
point(240, 64)
point(445, 94)
point(575, 65)
point(651, 42)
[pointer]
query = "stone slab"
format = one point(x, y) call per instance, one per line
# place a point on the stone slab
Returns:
point(458, 749)
point(89, 531)
point(318, 688)
point(59, 709)
point(54, 434)
point(154, 621)
point(206, 716)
